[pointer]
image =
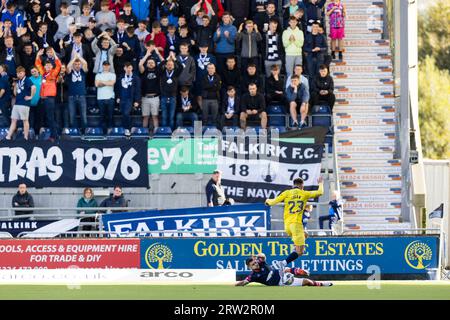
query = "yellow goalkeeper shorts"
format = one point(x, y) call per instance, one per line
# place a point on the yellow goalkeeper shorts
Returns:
point(296, 232)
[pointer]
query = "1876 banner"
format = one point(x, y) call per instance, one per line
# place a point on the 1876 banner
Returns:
point(74, 164)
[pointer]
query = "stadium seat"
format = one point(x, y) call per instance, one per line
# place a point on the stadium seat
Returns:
point(211, 131)
point(278, 129)
point(3, 133)
point(162, 132)
point(94, 121)
point(19, 134)
point(116, 133)
point(44, 134)
point(276, 115)
point(250, 131)
point(321, 109)
point(321, 120)
point(140, 133)
point(94, 133)
point(183, 131)
point(71, 133)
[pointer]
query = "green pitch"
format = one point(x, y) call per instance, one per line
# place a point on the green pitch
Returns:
point(408, 290)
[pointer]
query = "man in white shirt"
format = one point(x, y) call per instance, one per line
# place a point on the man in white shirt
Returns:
point(105, 81)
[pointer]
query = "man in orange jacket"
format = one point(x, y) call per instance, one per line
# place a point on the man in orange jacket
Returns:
point(49, 72)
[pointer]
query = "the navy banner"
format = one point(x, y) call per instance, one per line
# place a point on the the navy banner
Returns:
point(74, 163)
point(41, 228)
point(225, 221)
point(338, 255)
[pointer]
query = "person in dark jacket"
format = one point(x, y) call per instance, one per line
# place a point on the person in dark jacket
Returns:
point(116, 200)
point(251, 76)
point(314, 12)
point(187, 108)
point(230, 107)
point(231, 76)
point(239, 10)
point(314, 48)
point(128, 89)
point(322, 88)
point(275, 87)
point(215, 195)
point(211, 85)
point(22, 199)
point(253, 104)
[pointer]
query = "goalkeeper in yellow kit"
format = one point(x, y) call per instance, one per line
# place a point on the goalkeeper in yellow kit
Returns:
point(295, 201)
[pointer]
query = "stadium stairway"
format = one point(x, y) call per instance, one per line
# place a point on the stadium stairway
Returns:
point(364, 123)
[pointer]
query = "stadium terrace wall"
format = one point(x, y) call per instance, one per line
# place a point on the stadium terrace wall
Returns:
point(372, 258)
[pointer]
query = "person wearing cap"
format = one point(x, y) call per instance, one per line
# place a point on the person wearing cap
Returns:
point(76, 47)
point(215, 195)
point(105, 81)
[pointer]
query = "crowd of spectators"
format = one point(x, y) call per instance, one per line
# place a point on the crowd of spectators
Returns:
point(171, 62)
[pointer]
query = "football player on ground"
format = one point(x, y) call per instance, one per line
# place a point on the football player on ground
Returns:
point(263, 273)
point(295, 201)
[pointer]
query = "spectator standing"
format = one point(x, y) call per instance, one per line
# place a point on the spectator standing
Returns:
point(253, 104)
point(336, 12)
point(158, 37)
point(248, 41)
point(9, 55)
point(187, 75)
point(335, 211)
point(22, 199)
point(315, 48)
point(203, 59)
point(238, 9)
point(63, 21)
point(105, 82)
point(76, 82)
point(128, 92)
point(36, 110)
point(24, 91)
point(169, 73)
point(273, 47)
point(293, 42)
point(211, 95)
point(224, 38)
point(105, 18)
point(252, 76)
point(105, 52)
point(150, 89)
point(314, 12)
point(215, 194)
point(5, 92)
point(48, 87)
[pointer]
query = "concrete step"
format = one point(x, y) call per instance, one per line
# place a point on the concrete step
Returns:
point(364, 61)
point(365, 53)
point(358, 142)
point(387, 169)
point(359, 36)
point(371, 184)
point(368, 23)
point(373, 191)
point(355, 29)
point(364, 10)
point(391, 228)
point(375, 49)
point(361, 156)
point(364, 4)
point(363, 164)
point(373, 197)
point(372, 205)
point(353, 77)
point(371, 212)
point(363, 116)
point(363, 109)
point(367, 101)
point(365, 121)
point(370, 177)
point(371, 219)
point(364, 149)
point(366, 43)
point(364, 129)
point(365, 17)
point(364, 70)
point(364, 95)
point(364, 82)
point(380, 88)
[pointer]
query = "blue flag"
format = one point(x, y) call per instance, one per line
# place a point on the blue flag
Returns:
point(438, 212)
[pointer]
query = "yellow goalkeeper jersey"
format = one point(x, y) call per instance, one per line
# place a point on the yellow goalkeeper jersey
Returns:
point(295, 201)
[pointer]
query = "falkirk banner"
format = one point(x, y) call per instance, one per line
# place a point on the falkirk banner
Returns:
point(254, 171)
point(225, 221)
point(338, 255)
point(74, 164)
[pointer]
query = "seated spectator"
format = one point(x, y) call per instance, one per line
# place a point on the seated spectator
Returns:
point(273, 47)
point(105, 82)
point(322, 89)
point(128, 93)
point(275, 86)
point(211, 96)
point(24, 91)
point(334, 212)
point(251, 76)
point(315, 49)
point(22, 199)
point(230, 107)
point(215, 194)
point(253, 105)
point(298, 71)
point(115, 200)
point(248, 41)
point(173, 42)
point(128, 16)
point(296, 97)
point(76, 81)
point(142, 33)
point(158, 37)
point(87, 201)
point(63, 21)
point(187, 108)
point(231, 76)
point(293, 42)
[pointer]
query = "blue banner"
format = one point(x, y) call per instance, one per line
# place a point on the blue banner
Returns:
point(225, 221)
point(339, 255)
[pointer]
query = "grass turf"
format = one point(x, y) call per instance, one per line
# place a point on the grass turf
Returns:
point(355, 290)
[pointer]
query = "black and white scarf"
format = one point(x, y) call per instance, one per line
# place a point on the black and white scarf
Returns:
point(272, 47)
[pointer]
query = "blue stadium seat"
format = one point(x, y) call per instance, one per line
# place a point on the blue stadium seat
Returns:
point(276, 115)
point(280, 129)
point(183, 131)
point(116, 133)
point(251, 131)
point(321, 109)
point(94, 133)
point(321, 120)
point(19, 134)
point(140, 133)
point(71, 133)
point(211, 131)
point(44, 134)
point(3, 133)
point(162, 132)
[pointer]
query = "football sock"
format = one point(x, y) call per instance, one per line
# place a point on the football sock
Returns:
point(317, 284)
point(292, 257)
